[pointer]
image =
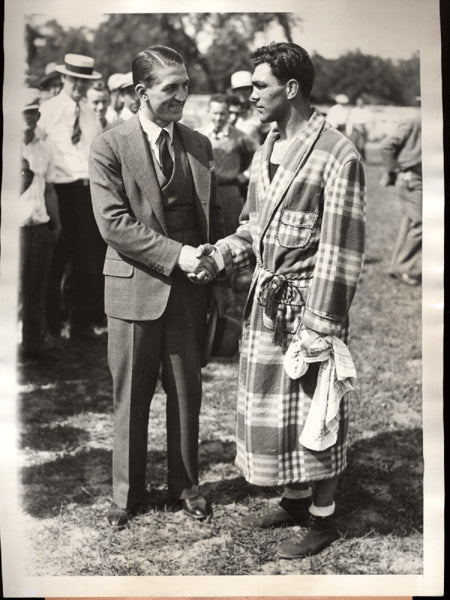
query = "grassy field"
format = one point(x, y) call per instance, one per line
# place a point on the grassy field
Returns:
point(66, 438)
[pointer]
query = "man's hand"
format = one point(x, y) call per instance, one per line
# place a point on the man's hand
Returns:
point(198, 263)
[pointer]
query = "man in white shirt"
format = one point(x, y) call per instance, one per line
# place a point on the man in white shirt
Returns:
point(39, 231)
point(338, 114)
point(69, 126)
point(154, 193)
point(97, 98)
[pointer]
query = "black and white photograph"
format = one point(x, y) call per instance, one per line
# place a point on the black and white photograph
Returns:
point(222, 299)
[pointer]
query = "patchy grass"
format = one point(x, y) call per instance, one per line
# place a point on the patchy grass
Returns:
point(66, 439)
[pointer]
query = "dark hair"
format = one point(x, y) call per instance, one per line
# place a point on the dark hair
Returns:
point(233, 99)
point(220, 98)
point(146, 61)
point(50, 80)
point(99, 86)
point(287, 61)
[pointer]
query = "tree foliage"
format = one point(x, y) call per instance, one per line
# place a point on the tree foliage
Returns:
point(214, 45)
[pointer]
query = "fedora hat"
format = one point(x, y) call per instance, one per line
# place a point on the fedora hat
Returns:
point(222, 336)
point(78, 65)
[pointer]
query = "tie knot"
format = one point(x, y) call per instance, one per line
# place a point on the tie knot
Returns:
point(163, 136)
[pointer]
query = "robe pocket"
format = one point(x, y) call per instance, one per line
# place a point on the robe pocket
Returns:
point(296, 228)
point(117, 268)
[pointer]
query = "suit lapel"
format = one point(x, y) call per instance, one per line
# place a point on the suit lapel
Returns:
point(138, 157)
point(291, 164)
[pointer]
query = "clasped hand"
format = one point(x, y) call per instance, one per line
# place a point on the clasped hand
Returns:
point(198, 263)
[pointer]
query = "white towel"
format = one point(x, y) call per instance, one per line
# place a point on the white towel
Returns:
point(336, 377)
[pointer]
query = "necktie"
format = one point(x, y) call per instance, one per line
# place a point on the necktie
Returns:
point(164, 154)
point(76, 133)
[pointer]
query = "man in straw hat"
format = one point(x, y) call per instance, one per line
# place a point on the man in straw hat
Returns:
point(69, 126)
point(303, 225)
point(154, 194)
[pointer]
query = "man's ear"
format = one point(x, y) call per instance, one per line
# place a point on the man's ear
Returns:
point(140, 91)
point(292, 88)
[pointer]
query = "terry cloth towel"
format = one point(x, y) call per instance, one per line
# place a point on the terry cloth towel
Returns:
point(336, 377)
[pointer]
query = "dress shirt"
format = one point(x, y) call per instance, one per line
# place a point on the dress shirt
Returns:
point(39, 157)
point(56, 123)
point(152, 132)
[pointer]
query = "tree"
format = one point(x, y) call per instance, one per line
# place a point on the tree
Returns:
point(212, 44)
point(380, 81)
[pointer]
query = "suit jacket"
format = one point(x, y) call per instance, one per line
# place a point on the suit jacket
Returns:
point(141, 258)
point(306, 226)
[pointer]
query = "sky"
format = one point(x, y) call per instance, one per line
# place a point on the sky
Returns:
point(387, 28)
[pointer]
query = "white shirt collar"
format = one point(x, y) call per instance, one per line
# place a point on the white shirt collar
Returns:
point(152, 130)
point(66, 98)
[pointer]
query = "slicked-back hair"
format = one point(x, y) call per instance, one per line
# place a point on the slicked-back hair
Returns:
point(149, 60)
point(287, 61)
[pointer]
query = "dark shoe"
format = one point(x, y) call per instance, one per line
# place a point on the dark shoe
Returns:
point(196, 508)
point(320, 534)
point(410, 280)
point(288, 512)
point(118, 517)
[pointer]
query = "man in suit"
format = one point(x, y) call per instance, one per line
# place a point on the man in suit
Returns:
point(154, 194)
point(303, 226)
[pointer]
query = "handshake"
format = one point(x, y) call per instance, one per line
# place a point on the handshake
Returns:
point(199, 263)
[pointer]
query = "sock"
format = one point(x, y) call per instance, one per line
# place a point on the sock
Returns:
point(293, 494)
point(322, 511)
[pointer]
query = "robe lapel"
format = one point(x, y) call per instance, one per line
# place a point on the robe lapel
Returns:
point(138, 157)
point(292, 162)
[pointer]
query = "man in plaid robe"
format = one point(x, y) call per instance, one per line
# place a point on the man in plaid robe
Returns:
point(303, 226)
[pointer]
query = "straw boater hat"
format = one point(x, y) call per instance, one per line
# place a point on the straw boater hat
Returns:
point(222, 336)
point(78, 65)
point(241, 79)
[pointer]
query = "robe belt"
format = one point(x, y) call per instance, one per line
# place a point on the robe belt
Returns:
point(276, 292)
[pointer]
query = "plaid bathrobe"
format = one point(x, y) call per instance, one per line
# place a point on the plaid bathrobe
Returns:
point(305, 232)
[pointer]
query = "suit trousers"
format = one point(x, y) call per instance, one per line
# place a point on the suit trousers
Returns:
point(406, 255)
point(136, 350)
point(77, 261)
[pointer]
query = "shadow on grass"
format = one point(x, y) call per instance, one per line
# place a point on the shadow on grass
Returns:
point(80, 478)
point(381, 490)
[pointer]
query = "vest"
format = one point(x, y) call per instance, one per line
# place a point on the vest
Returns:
point(178, 198)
